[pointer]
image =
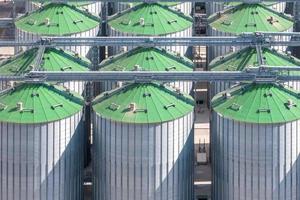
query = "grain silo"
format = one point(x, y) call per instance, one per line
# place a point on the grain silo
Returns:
point(151, 19)
point(184, 7)
point(41, 143)
point(143, 138)
point(52, 59)
point(90, 6)
point(255, 143)
point(247, 18)
point(148, 59)
point(246, 58)
point(58, 19)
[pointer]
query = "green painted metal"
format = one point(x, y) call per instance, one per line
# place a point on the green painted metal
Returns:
point(52, 60)
point(148, 59)
point(42, 103)
point(57, 19)
point(158, 20)
point(75, 3)
point(247, 57)
point(250, 18)
point(268, 3)
point(258, 103)
point(170, 4)
point(154, 104)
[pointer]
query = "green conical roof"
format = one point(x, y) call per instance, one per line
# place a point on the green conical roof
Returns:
point(148, 59)
point(158, 20)
point(247, 57)
point(266, 3)
point(250, 18)
point(258, 103)
point(57, 19)
point(42, 103)
point(53, 60)
point(75, 3)
point(154, 104)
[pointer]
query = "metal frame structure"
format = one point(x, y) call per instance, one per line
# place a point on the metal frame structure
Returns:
point(258, 40)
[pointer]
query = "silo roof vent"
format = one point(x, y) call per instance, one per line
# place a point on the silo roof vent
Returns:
point(114, 106)
point(289, 104)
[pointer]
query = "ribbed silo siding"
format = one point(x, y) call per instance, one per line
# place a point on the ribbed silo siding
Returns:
point(220, 86)
point(279, 7)
point(212, 8)
point(185, 8)
point(31, 6)
point(75, 86)
point(94, 8)
point(252, 161)
point(146, 161)
point(178, 49)
point(282, 38)
point(42, 161)
point(81, 50)
point(4, 85)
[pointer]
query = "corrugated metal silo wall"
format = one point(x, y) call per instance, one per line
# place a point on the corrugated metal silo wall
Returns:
point(42, 161)
point(254, 162)
point(139, 162)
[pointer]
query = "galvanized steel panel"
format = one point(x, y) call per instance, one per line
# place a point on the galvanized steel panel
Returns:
point(42, 161)
point(143, 161)
point(255, 161)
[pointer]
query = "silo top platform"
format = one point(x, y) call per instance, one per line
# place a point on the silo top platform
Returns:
point(150, 19)
point(258, 103)
point(147, 59)
point(31, 103)
point(143, 103)
point(52, 60)
point(250, 18)
point(57, 19)
point(247, 57)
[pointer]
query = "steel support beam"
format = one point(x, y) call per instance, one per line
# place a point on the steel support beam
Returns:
point(6, 22)
point(244, 40)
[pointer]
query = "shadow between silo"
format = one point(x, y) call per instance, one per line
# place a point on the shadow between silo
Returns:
point(179, 181)
point(63, 183)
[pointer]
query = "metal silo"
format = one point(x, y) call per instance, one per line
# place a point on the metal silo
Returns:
point(143, 144)
point(184, 7)
point(255, 143)
point(148, 59)
point(246, 58)
point(151, 19)
point(247, 18)
point(92, 7)
point(58, 19)
point(41, 143)
point(52, 59)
